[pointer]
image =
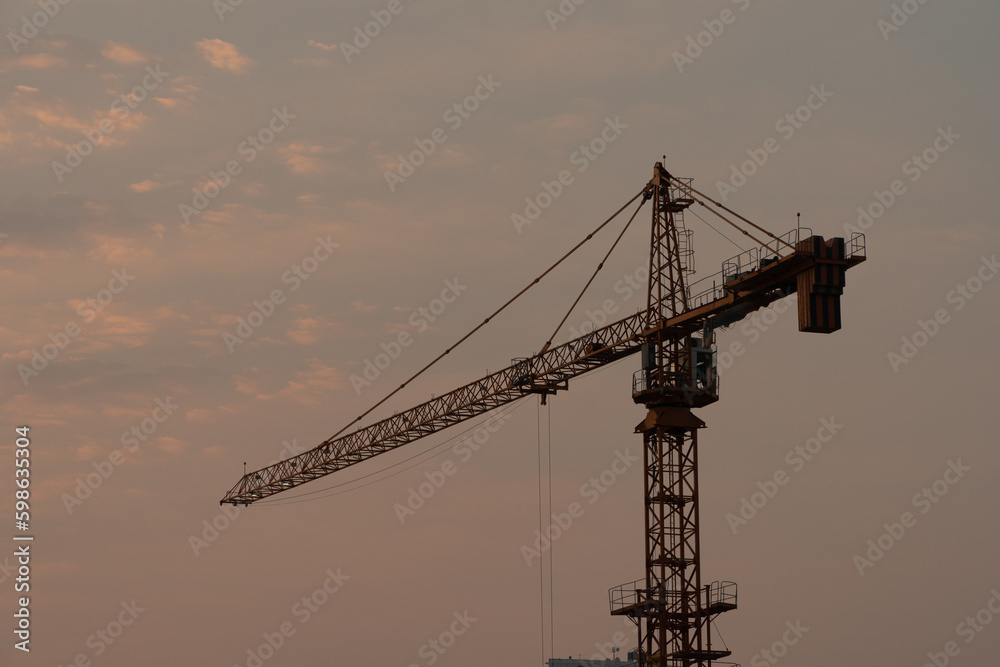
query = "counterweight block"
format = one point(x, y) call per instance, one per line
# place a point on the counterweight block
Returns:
point(820, 287)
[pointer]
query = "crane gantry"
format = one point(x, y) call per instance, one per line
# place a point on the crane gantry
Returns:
point(671, 608)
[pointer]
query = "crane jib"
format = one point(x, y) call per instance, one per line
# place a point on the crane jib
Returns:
point(814, 269)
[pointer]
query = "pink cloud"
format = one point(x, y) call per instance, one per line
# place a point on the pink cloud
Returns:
point(314, 386)
point(123, 54)
point(321, 46)
point(39, 61)
point(303, 158)
point(223, 55)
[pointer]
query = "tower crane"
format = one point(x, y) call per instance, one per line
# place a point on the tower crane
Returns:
point(671, 608)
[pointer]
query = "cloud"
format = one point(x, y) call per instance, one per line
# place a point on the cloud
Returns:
point(206, 415)
point(322, 46)
point(223, 55)
point(38, 120)
point(146, 186)
point(253, 189)
point(39, 61)
point(169, 102)
point(171, 445)
point(322, 60)
point(70, 223)
point(185, 86)
point(123, 54)
point(108, 330)
point(313, 386)
point(303, 158)
point(310, 330)
point(116, 250)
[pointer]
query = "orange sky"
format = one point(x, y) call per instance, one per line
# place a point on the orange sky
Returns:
point(215, 218)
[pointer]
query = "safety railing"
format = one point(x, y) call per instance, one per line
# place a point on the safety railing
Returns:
point(628, 595)
point(712, 288)
point(634, 594)
point(855, 246)
point(636, 661)
point(643, 380)
point(522, 371)
point(640, 382)
point(754, 258)
point(722, 593)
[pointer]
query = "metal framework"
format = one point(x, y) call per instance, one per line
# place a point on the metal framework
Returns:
point(672, 616)
point(670, 606)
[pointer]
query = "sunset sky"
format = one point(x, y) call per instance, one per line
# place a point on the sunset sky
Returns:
point(228, 228)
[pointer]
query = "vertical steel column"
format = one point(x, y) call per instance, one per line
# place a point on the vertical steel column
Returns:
point(670, 625)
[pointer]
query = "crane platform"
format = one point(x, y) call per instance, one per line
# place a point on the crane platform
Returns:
point(634, 599)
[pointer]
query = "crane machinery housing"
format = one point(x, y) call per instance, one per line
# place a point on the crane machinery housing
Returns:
point(671, 606)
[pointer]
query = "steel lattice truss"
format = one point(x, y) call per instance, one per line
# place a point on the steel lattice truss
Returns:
point(544, 373)
point(672, 612)
point(551, 370)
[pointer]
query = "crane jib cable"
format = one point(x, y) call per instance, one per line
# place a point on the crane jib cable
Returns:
point(691, 190)
point(600, 266)
point(729, 222)
point(709, 225)
point(486, 321)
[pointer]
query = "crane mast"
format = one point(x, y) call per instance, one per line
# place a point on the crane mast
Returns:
point(672, 609)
